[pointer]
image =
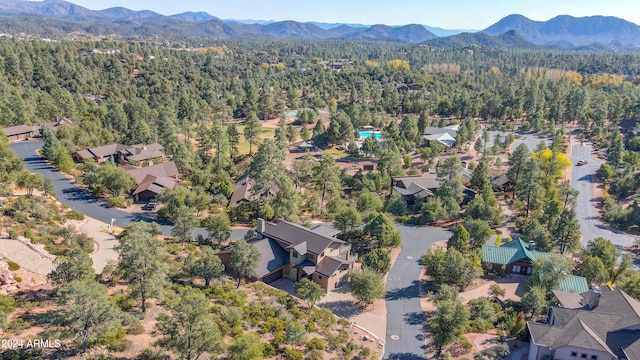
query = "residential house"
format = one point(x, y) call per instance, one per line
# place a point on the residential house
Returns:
point(100, 154)
point(21, 132)
point(243, 191)
point(293, 251)
point(445, 135)
point(444, 138)
point(418, 187)
point(152, 180)
point(142, 152)
point(302, 147)
point(517, 257)
point(500, 183)
point(599, 324)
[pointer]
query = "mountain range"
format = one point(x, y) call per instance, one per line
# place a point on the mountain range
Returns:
point(55, 18)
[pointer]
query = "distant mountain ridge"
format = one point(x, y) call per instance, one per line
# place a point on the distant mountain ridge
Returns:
point(59, 17)
point(569, 31)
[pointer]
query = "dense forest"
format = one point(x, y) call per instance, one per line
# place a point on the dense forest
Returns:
point(207, 104)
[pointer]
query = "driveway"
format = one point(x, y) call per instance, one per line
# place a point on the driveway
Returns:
point(590, 225)
point(529, 139)
point(405, 319)
point(78, 199)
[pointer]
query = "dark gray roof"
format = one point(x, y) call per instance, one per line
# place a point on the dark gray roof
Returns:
point(428, 181)
point(499, 180)
point(434, 130)
point(307, 266)
point(325, 229)
point(301, 248)
point(294, 234)
point(329, 264)
point(273, 256)
point(610, 326)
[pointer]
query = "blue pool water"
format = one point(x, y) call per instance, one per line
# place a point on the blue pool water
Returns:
point(370, 134)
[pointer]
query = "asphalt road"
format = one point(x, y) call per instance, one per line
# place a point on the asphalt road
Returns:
point(590, 226)
point(78, 199)
point(405, 318)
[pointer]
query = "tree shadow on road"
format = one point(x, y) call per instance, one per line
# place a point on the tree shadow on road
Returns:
point(414, 318)
point(409, 292)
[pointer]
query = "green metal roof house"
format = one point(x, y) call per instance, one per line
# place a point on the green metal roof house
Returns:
point(517, 257)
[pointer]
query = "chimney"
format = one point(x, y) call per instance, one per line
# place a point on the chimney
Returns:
point(595, 297)
point(532, 245)
point(260, 226)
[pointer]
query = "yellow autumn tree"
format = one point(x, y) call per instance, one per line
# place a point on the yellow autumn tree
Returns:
point(397, 64)
point(371, 64)
point(552, 163)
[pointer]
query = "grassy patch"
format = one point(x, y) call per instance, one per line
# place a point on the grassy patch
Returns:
point(338, 154)
point(243, 147)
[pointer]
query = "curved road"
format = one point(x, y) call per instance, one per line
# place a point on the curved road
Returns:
point(78, 199)
point(590, 225)
point(405, 318)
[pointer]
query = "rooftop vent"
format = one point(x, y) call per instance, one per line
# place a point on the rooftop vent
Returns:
point(595, 297)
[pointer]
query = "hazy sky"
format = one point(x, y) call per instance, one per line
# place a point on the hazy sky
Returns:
point(449, 14)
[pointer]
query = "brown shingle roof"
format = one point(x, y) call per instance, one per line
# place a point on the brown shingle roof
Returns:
point(155, 184)
point(167, 169)
point(20, 129)
point(243, 190)
point(107, 150)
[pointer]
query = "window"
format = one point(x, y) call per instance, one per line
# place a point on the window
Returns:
point(320, 277)
point(574, 354)
point(295, 254)
point(583, 356)
point(594, 357)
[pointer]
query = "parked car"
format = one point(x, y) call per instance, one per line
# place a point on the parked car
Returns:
point(151, 205)
point(582, 162)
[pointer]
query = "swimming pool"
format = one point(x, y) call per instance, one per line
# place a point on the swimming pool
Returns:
point(370, 134)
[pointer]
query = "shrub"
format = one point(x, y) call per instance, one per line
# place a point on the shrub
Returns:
point(314, 355)
point(28, 234)
point(17, 279)
point(7, 304)
point(153, 354)
point(75, 215)
point(117, 201)
point(13, 234)
point(365, 352)
point(114, 338)
point(295, 333)
point(13, 266)
point(135, 328)
point(466, 345)
point(293, 354)
point(316, 344)
point(269, 350)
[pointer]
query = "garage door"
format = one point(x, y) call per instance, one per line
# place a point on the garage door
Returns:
point(273, 276)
